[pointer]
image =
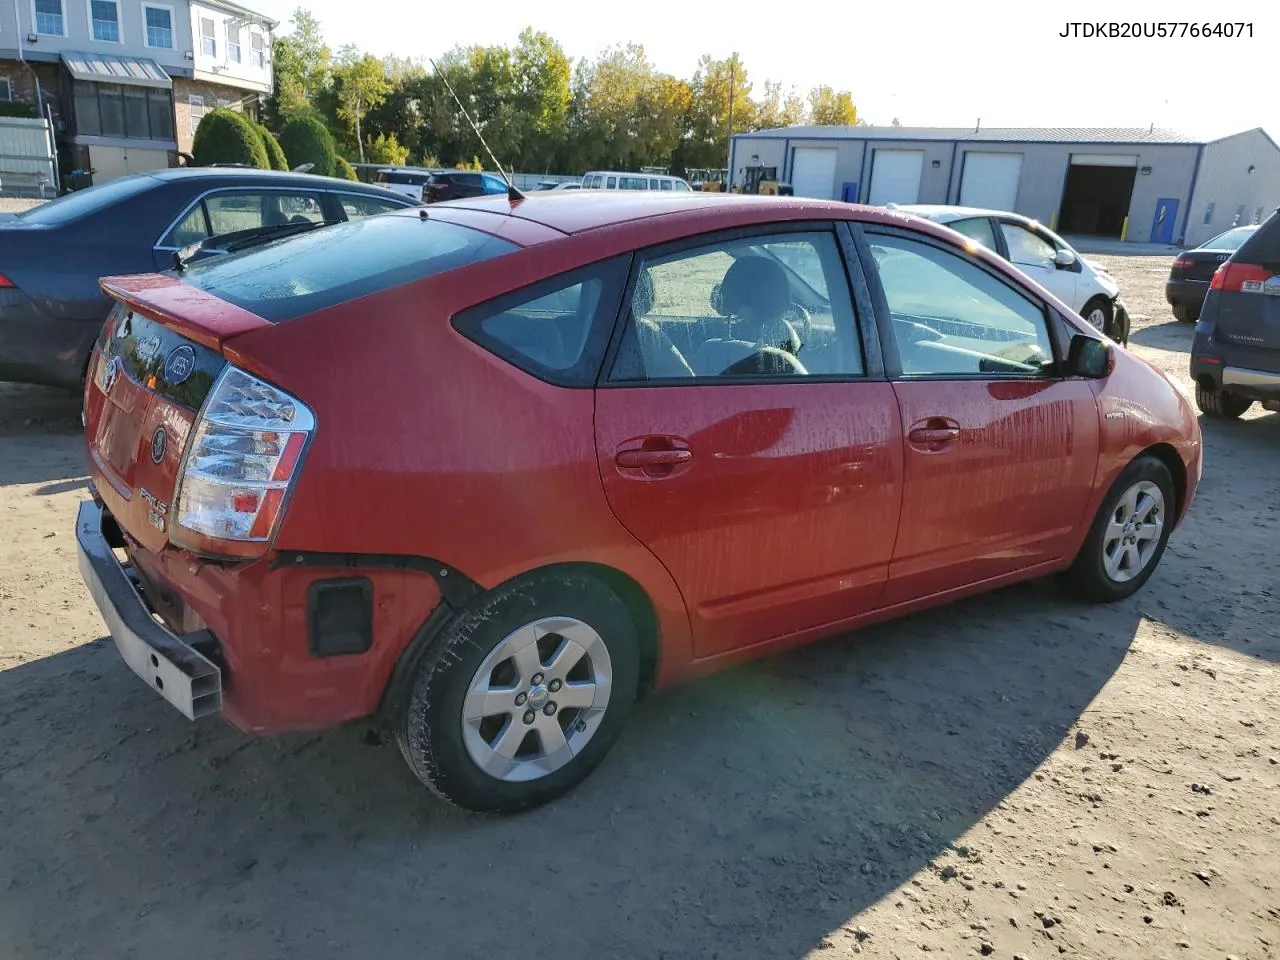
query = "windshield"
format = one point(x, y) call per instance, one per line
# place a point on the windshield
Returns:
point(1231, 240)
point(285, 279)
point(83, 203)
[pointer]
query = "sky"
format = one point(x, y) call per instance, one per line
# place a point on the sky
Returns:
point(926, 63)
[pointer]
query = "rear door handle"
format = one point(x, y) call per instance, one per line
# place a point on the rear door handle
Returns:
point(639, 458)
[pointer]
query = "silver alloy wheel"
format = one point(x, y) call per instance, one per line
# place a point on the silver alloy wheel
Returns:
point(537, 699)
point(1133, 532)
point(1097, 317)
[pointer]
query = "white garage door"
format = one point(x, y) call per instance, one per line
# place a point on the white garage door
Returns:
point(990, 180)
point(813, 172)
point(895, 176)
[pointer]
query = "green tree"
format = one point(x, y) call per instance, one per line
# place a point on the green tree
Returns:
point(779, 109)
point(386, 149)
point(541, 74)
point(830, 108)
point(360, 83)
point(719, 87)
point(228, 136)
point(300, 63)
point(344, 169)
point(306, 140)
point(275, 155)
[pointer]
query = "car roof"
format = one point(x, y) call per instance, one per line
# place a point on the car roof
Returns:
point(249, 175)
point(575, 211)
point(945, 213)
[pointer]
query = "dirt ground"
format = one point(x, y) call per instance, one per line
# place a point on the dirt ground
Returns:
point(1016, 775)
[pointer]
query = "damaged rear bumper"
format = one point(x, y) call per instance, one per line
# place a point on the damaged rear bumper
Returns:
point(169, 664)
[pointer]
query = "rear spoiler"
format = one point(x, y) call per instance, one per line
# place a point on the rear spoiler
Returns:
point(190, 311)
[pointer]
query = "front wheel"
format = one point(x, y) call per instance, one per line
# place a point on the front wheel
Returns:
point(523, 695)
point(1098, 312)
point(1128, 535)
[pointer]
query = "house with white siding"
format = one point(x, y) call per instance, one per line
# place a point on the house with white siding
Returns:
point(125, 82)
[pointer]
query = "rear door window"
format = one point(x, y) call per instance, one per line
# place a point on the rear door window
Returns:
point(977, 228)
point(356, 206)
point(235, 210)
point(286, 279)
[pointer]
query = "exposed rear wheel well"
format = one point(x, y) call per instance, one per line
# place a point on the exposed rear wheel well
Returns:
point(1177, 469)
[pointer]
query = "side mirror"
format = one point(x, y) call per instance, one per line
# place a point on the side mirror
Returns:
point(1090, 357)
point(1064, 258)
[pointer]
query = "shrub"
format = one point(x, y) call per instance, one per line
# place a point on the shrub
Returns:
point(305, 140)
point(18, 108)
point(275, 155)
point(344, 170)
point(388, 150)
point(225, 136)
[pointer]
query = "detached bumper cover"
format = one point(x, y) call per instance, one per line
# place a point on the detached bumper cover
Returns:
point(171, 666)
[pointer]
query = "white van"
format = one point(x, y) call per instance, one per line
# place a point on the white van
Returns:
point(410, 181)
point(618, 180)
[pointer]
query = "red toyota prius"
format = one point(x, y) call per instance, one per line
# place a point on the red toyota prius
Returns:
point(487, 472)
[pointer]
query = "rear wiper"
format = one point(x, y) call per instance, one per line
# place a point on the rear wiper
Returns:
point(243, 239)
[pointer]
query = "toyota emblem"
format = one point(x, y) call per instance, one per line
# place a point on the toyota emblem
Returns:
point(159, 443)
point(111, 374)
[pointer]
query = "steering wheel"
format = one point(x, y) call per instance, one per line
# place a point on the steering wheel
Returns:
point(798, 317)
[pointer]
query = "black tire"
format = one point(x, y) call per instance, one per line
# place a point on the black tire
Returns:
point(1221, 404)
point(1087, 575)
point(1108, 313)
point(1185, 314)
point(429, 730)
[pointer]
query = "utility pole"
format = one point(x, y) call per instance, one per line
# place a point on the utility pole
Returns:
point(733, 82)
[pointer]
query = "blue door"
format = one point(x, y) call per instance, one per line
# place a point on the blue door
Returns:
point(1163, 222)
point(849, 194)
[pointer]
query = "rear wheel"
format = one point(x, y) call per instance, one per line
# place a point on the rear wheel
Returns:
point(523, 695)
point(1185, 314)
point(1128, 535)
point(1220, 404)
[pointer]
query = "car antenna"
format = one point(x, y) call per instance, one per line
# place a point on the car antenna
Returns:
point(513, 195)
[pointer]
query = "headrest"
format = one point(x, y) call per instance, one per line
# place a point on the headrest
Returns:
point(755, 287)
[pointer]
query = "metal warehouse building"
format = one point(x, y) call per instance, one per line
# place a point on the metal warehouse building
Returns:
point(1139, 185)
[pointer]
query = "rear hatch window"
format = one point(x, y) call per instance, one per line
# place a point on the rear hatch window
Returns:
point(290, 278)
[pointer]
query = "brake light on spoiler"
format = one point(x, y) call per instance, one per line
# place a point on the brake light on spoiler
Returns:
point(239, 466)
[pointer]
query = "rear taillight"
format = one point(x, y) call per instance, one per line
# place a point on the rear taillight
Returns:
point(1182, 261)
point(242, 457)
point(1239, 278)
point(6, 283)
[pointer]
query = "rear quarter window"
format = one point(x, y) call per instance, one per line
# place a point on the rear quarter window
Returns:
point(296, 276)
point(557, 329)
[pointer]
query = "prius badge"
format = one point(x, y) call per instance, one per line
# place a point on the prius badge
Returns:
point(159, 509)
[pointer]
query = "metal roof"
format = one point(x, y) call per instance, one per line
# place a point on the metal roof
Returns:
point(109, 68)
point(980, 134)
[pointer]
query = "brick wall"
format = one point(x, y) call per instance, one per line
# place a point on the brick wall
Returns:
point(207, 96)
point(22, 86)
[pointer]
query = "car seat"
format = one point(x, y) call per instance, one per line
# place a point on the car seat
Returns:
point(755, 293)
point(660, 358)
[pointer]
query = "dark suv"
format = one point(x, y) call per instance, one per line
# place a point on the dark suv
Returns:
point(1235, 357)
point(454, 185)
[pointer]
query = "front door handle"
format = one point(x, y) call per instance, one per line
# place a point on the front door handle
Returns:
point(640, 458)
point(934, 434)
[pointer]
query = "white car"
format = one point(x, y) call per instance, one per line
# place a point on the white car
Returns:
point(1042, 255)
